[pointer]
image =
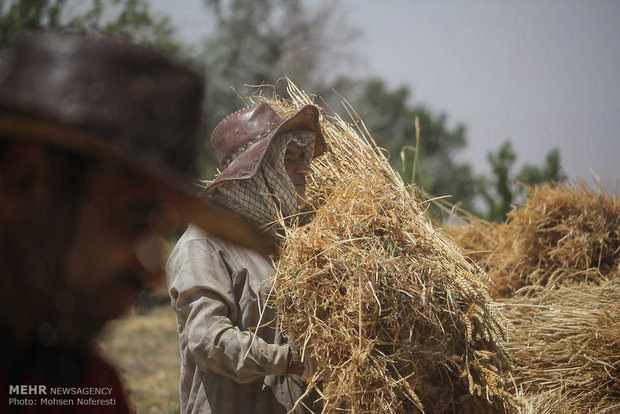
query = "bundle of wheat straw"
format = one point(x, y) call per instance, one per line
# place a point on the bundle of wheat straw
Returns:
point(566, 346)
point(562, 235)
point(394, 316)
point(558, 261)
point(479, 239)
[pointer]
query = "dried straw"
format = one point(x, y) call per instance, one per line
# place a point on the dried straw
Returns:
point(566, 346)
point(395, 317)
point(561, 236)
point(556, 262)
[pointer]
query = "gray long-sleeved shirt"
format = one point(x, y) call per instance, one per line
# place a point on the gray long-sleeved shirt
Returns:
point(219, 291)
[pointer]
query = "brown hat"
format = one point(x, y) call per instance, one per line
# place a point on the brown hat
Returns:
point(119, 102)
point(242, 138)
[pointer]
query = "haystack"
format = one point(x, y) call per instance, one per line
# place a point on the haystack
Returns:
point(480, 240)
point(566, 347)
point(395, 318)
point(556, 263)
point(562, 235)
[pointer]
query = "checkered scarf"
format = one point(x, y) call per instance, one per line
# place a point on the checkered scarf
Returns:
point(269, 196)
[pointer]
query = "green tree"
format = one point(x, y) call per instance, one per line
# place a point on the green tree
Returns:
point(551, 171)
point(133, 21)
point(257, 42)
point(251, 42)
point(27, 15)
point(503, 188)
point(389, 116)
point(126, 19)
point(497, 190)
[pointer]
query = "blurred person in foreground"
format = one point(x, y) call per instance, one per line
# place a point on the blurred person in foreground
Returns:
point(98, 144)
point(234, 358)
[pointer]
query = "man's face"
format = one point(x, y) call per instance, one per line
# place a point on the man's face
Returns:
point(116, 250)
point(79, 240)
point(296, 168)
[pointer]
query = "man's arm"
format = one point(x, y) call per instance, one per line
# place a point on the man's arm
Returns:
point(203, 297)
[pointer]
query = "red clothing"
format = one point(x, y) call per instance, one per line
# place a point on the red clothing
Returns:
point(97, 389)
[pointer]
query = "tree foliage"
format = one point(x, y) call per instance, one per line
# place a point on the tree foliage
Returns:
point(550, 171)
point(389, 116)
point(125, 19)
point(27, 15)
point(497, 190)
point(504, 188)
point(256, 42)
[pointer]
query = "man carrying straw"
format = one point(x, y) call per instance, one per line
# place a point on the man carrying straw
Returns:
point(234, 358)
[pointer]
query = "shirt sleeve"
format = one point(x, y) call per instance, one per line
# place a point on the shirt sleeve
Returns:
point(202, 293)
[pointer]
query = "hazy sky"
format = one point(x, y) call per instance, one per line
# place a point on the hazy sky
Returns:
point(542, 73)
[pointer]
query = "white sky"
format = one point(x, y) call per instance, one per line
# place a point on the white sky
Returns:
point(542, 73)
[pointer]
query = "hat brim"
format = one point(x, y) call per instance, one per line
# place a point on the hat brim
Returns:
point(174, 190)
point(247, 164)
